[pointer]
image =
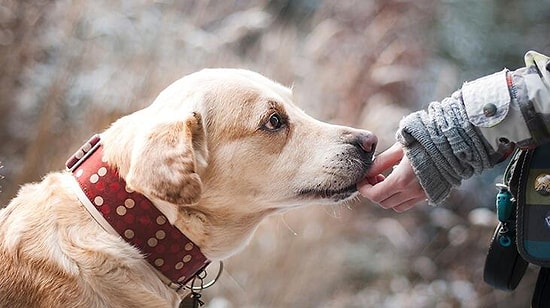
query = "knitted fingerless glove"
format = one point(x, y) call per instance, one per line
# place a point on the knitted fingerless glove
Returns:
point(444, 147)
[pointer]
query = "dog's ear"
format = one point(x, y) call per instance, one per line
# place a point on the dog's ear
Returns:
point(165, 162)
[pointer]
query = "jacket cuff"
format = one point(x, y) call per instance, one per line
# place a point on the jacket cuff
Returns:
point(492, 104)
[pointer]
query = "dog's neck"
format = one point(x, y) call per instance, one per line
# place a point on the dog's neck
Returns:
point(217, 228)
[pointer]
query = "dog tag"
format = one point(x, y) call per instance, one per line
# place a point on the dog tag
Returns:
point(187, 302)
point(192, 300)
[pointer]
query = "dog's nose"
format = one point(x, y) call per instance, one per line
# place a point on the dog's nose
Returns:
point(367, 141)
point(364, 139)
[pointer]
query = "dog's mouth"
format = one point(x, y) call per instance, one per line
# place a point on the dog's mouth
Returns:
point(335, 195)
point(343, 183)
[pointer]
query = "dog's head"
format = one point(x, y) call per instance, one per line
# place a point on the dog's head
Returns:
point(228, 133)
point(220, 149)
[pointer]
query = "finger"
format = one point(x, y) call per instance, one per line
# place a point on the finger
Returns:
point(377, 179)
point(403, 207)
point(391, 185)
point(376, 193)
point(401, 199)
point(372, 180)
point(386, 159)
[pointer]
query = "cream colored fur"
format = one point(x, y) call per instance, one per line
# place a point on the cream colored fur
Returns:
point(210, 155)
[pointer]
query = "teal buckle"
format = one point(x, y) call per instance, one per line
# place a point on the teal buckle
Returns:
point(504, 203)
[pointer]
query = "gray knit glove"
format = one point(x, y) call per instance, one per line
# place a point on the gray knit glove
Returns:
point(444, 147)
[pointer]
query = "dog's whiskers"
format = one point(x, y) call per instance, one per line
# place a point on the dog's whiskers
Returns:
point(288, 226)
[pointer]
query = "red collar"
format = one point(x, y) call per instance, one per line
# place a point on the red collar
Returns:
point(134, 217)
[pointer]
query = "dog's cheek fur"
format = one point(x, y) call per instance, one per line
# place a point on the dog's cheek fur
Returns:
point(164, 165)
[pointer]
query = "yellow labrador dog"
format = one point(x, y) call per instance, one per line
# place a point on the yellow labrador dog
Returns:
point(149, 202)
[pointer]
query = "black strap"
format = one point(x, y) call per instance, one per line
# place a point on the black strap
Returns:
point(504, 267)
point(541, 296)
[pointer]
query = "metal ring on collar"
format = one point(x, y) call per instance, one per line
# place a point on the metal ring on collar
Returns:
point(211, 283)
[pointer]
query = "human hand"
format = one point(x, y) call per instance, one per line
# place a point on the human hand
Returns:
point(400, 190)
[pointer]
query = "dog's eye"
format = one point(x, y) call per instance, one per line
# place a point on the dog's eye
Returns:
point(275, 122)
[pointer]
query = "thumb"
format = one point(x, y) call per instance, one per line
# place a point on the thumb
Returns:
point(386, 159)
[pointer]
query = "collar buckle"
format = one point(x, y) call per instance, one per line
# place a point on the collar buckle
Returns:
point(83, 153)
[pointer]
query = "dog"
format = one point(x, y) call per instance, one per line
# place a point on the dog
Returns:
point(214, 154)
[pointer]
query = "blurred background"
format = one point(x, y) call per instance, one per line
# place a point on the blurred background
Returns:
point(69, 68)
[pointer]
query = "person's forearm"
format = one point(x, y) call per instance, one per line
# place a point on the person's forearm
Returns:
point(444, 147)
point(478, 126)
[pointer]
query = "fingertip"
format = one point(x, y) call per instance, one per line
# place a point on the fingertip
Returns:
point(373, 180)
point(386, 159)
point(363, 188)
point(379, 178)
point(385, 207)
point(399, 210)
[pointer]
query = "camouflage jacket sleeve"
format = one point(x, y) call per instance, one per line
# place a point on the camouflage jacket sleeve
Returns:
point(478, 126)
point(512, 107)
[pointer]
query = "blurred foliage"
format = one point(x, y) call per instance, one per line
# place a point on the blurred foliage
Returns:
point(69, 68)
point(487, 35)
